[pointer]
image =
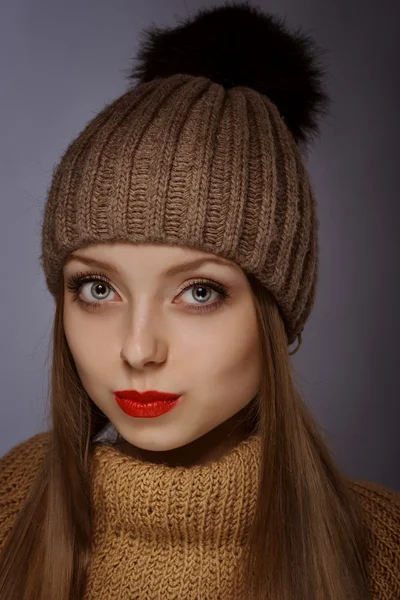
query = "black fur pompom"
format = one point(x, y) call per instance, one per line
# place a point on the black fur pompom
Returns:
point(240, 45)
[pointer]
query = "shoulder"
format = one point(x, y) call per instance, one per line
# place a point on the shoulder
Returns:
point(381, 507)
point(18, 468)
point(19, 464)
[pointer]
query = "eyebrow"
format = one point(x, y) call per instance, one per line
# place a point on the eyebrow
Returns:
point(176, 269)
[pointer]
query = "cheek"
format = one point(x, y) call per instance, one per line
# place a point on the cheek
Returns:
point(227, 348)
point(87, 344)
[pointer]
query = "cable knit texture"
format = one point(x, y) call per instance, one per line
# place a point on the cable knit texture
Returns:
point(177, 532)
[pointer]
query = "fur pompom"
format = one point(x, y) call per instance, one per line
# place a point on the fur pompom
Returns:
point(240, 45)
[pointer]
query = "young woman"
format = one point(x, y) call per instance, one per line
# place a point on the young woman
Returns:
point(180, 243)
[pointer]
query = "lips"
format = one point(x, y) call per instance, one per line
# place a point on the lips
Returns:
point(148, 396)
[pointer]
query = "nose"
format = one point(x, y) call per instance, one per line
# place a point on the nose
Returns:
point(143, 346)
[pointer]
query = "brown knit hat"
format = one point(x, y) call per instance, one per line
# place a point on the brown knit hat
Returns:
point(203, 152)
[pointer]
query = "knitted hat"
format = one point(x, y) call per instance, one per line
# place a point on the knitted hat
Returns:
point(204, 151)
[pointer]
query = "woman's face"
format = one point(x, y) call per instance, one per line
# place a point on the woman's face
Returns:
point(145, 334)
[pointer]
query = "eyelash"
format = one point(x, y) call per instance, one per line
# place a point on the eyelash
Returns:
point(76, 282)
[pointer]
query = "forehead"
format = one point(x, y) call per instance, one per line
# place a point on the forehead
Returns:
point(171, 259)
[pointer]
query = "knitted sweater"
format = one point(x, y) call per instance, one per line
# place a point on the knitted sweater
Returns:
point(168, 533)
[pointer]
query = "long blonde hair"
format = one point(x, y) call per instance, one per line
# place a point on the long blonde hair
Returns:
point(308, 541)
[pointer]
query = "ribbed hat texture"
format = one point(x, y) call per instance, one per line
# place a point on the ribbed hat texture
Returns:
point(181, 159)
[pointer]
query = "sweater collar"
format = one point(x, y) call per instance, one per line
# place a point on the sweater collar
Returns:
point(212, 503)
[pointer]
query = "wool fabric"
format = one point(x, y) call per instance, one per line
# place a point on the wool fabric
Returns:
point(182, 160)
point(178, 532)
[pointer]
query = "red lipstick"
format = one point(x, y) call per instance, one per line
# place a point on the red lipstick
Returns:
point(148, 404)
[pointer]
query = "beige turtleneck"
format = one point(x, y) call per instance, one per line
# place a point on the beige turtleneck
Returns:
point(173, 532)
point(169, 533)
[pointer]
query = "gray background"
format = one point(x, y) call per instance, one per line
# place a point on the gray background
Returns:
point(61, 62)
